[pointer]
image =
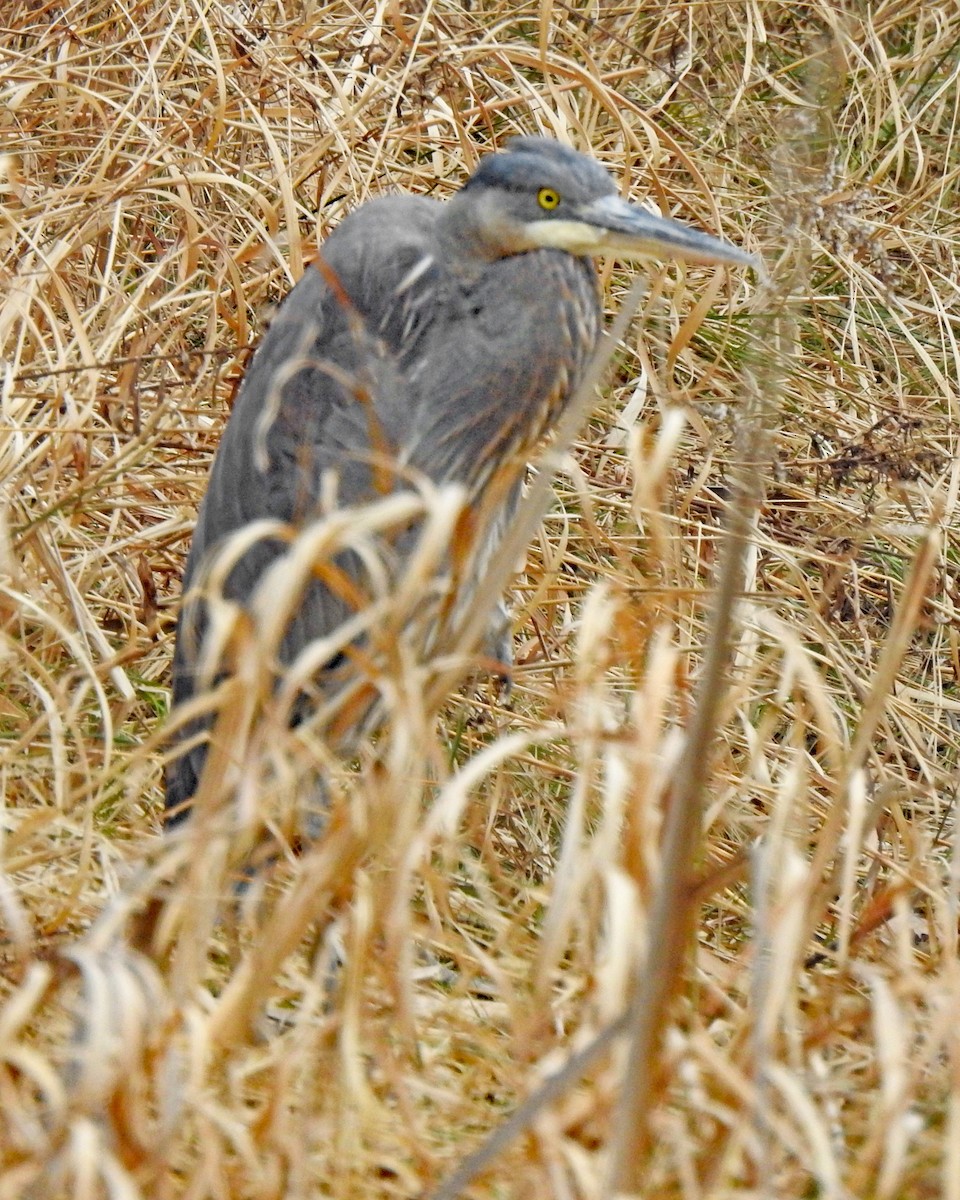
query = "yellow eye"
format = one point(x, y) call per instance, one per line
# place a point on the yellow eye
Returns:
point(547, 198)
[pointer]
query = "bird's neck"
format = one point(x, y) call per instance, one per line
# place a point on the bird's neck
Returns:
point(474, 236)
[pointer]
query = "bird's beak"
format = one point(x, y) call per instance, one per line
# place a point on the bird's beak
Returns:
point(630, 230)
point(610, 225)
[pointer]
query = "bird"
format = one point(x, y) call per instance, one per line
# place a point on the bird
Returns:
point(429, 339)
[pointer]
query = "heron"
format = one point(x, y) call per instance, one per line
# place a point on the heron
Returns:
point(445, 337)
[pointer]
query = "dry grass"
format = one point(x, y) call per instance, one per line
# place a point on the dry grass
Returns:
point(495, 875)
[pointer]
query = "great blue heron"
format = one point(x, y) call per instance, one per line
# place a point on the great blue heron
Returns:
point(443, 339)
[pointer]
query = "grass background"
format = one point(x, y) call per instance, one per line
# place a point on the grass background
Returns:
point(166, 171)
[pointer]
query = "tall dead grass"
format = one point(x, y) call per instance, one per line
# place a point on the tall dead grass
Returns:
point(495, 878)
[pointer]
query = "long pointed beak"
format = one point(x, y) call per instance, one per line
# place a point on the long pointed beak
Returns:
point(630, 231)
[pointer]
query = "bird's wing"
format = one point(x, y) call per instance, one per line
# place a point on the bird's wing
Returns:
point(317, 384)
point(323, 392)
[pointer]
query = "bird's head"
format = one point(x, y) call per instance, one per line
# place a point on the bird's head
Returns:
point(539, 194)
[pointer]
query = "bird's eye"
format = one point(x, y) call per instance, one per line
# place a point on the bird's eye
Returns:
point(547, 198)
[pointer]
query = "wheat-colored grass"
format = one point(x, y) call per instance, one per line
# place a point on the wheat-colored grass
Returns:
point(495, 873)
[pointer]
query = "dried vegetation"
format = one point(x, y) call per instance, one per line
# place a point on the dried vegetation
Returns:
point(493, 873)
